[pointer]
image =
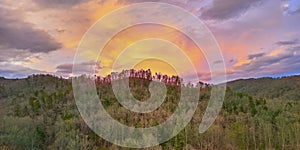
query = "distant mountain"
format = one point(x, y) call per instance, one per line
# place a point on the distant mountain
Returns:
point(271, 88)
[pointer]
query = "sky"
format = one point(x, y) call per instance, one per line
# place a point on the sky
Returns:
point(257, 38)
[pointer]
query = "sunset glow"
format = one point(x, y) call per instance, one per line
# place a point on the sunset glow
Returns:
point(42, 37)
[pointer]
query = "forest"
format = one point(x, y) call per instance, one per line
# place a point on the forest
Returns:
point(39, 112)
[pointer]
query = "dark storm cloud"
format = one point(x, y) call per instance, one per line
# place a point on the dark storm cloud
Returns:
point(17, 34)
point(58, 3)
point(82, 68)
point(291, 42)
point(255, 55)
point(222, 10)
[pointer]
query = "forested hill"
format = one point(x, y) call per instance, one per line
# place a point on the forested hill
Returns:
point(271, 88)
point(31, 84)
point(39, 112)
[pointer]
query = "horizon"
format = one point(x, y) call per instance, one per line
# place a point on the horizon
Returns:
point(228, 81)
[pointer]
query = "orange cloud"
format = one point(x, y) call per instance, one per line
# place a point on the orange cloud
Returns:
point(274, 53)
point(242, 62)
point(69, 25)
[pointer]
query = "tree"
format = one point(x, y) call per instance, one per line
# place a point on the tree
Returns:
point(17, 110)
point(35, 104)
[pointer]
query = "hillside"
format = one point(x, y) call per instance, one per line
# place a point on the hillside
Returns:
point(39, 112)
point(272, 88)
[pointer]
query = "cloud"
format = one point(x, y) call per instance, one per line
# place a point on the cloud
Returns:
point(254, 33)
point(252, 56)
point(139, 1)
point(17, 34)
point(276, 62)
point(15, 55)
point(58, 3)
point(17, 71)
point(291, 7)
point(295, 12)
point(263, 62)
point(294, 49)
point(218, 61)
point(291, 42)
point(221, 10)
point(82, 68)
point(187, 4)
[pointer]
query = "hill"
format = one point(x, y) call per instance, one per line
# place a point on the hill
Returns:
point(272, 88)
point(39, 112)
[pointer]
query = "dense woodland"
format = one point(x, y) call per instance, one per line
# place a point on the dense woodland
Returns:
point(39, 112)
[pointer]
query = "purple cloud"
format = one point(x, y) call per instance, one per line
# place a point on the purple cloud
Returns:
point(82, 68)
point(221, 10)
point(17, 34)
point(291, 42)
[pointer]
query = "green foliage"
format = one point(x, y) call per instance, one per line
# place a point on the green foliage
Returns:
point(17, 110)
point(270, 88)
point(25, 111)
point(238, 133)
point(66, 137)
point(35, 104)
point(68, 116)
point(21, 133)
point(180, 140)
